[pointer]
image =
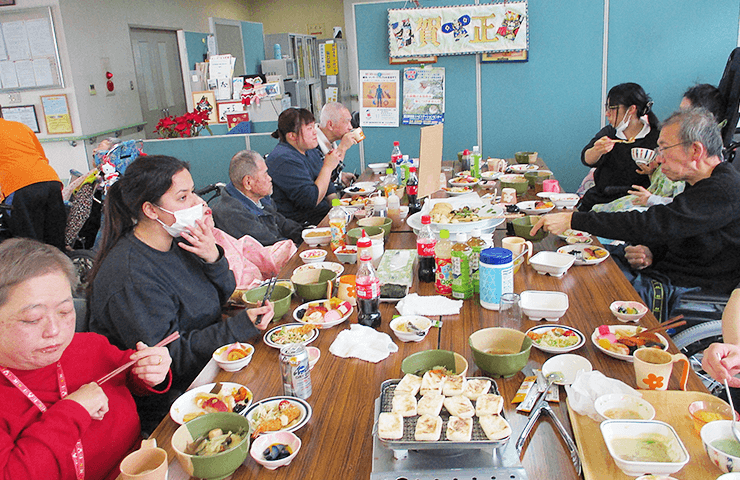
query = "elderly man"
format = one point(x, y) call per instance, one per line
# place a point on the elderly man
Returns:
point(334, 127)
point(692, 242)
point(245, 207)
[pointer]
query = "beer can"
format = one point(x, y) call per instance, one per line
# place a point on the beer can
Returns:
point(295, 369)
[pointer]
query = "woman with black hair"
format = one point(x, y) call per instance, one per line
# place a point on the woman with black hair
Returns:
point(632, 124)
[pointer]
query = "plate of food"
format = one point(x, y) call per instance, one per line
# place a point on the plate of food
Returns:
point(585, 254)
point(323, 313)
point(442, 215)
point(278, 414)
point(620, 341)
point(463, 181)
point(535, 207)
point(521, 168)
point(291, 333)
point(230, 397)
point(456, 191)
point(556, 339)
point(490, 175)
point(357, 202)
point(463, 173)
point(360, 188)
point(333, 266)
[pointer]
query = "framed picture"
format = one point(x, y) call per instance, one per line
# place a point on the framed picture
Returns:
point(412, 60)
point(5, 3)
point(25, 114)
point(224, 108)
point(206, 100)
point(56, 114)
point(517, 56)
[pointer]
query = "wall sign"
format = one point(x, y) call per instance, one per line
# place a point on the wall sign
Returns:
point(25, 114)
point(56, 114)
point(499, 27)
point(423, 95)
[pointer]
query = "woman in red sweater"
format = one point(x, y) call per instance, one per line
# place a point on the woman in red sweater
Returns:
point(55, 421)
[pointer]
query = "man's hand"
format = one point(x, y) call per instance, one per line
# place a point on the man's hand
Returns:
point(348, 139)
point(555, 223)
point(638, 256)
point(347, 178)
point(722, 362)
point(641, 193)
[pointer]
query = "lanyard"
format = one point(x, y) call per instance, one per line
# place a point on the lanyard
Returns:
point(77, 455)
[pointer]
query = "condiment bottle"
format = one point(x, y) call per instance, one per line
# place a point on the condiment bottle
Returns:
point(380, 207)
point(388, 183)
point(338, 224)
point(475, 158)
point(443, 264)
point(425, 242)
point(476, 246)
point(496, 276)
point(368, 290)
point(364, 243)
point(394, 208)
point(396, 155)
point(462, 287)
point(465, 160)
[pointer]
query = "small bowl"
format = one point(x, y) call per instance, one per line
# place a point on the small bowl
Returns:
point(616, 429)
point(346, 254)
point(703, 412)
point(373, 232)
point(556, 264)
point(642, 156)
point(382, 222)
point(515, 181)
point(419, 362)
point(617, 406)
point(502, 340)
point(313, 256)
point(313, 356)
point(628, 317)
point(525, 157)
point(564, 200)
point(233, 365)
point(568, 364)
point(533, 176)
point(538, 305)
point(312, 284)
point(263, 442)
point(422, 323)
point(523, 225)
point(280, 299)
point(378, 168)
point(713, 431)
point(316, 236)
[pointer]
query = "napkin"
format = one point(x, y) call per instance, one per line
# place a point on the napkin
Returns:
point(364, 343)
point(588, 386)
point(414, 304)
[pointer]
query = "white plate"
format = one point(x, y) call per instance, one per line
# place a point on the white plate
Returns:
point(333, 266)
point(309, 337)
point(545, 348)
point(320, 325)
point(619, 356)
point(573, 233)
point(453, 182)
point(490, 175)
point(486, 226)
point(521, 168)
point(579, 258)
point(450, 192)
point(528, 207)
point(303, 405)
point(364, 188)
point(568, 364)
point(185, 403)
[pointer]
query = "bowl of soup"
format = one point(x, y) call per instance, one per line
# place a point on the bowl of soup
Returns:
point(721, 446)
point(500, 352)
point(639, 447)
point(619, 406)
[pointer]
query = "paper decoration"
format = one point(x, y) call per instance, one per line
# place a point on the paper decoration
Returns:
point(234, 119)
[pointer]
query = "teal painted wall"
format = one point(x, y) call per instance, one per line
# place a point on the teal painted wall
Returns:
point(196, 47)
point(254, 47)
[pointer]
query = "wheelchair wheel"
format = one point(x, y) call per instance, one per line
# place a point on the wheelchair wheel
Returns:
point(692, 342)
point(83, 262)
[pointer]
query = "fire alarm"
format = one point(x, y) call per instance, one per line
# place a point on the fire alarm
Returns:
point(108, 75)
point(109, 85)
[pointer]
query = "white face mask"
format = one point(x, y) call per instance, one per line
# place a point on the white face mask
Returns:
point(624, 123)
point(183, 219)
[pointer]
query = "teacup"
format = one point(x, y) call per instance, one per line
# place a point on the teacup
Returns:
point(497, 165)
point(551, 185)
point(653, 368)
point(517, 245)
point(508, 195)
point(358, 135)
point(347, 291)
point(146, 463)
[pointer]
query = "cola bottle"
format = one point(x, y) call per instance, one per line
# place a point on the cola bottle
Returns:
point(367, 287)
point(412, 190)
point(425, 242)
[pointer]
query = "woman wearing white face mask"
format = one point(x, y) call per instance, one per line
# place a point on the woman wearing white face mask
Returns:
point(160, 271)
point(632, 123)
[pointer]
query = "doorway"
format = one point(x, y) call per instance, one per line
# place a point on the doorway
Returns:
point(158, 75)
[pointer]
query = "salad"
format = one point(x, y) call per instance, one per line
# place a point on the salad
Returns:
point(555, 338)
point(292, 334)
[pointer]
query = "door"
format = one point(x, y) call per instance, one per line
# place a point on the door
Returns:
point(158, 75)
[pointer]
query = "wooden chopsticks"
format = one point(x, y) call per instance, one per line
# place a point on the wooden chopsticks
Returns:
point(166, 341)
point(670, 323)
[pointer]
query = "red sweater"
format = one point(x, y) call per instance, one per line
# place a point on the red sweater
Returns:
point(35, 446)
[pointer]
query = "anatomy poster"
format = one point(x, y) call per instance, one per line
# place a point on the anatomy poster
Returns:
point(423, 95)
point(380, 90)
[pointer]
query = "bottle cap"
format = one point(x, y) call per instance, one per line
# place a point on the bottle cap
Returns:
point(412, 169)
point(396, 143)
point(426, 219)
point(389, 171)
point(476, 149)
point(336, 202)
point(364, 241)
point(466, 152)
point(496, 256)
point(461, 237)
point(444, 234)
point(477, 232)
point(405, 158)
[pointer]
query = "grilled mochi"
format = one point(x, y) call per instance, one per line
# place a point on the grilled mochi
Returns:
point(459, 429)
point(430, 404)
point(390, 426)
point(432, 381)
point(404, 404)
point(474, 388)
point(428, 428)
point(409, 384)
point(495, 427)
point(459, 406)
point(454, 385)
point(489, 404)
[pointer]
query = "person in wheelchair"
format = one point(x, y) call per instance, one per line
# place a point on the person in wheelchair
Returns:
point(335, 126)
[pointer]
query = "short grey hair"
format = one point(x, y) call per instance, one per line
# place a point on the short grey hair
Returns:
point(331, 113)
point(697, 125)
point(242, 164)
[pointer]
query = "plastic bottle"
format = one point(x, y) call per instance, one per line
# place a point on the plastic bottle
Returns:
point(412, 190)
point(380, 207)
point(443, 264)
point(476, 246)
point(396, 155)
point(394, 208)
point(496, 276)
point(475, 160)
point(367, 288)
point(338, 224)
point(465, 160)
point(462, 287)
point(425, 242)
point(402, 170)
point(389, 182)
point(364, 243)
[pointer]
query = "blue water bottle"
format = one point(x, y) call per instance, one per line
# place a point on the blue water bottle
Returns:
point(278, 52)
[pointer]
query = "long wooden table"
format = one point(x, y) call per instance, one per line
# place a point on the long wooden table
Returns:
point(338, 442)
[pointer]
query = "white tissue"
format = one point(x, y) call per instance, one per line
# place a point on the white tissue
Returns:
point(588, 386)
point(364, 343)
point(433, 305)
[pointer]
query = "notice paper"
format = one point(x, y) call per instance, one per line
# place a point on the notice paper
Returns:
point(42, 72)
point(8, 78)
point(16, 40)
point(40, 38)
point(25, 73)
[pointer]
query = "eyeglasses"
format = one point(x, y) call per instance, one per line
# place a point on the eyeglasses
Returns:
point(660, 150)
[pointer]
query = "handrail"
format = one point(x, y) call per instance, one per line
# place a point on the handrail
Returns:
point(92, 137)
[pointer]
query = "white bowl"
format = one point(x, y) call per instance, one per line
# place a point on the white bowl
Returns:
point(313, 356)
point(528, 207)
point(569, 364)
point(422, 323)
point(521, 168)
point(556, 264)
point(347, 257)
point(564, 200)
point(315, 241)
point(541, 304)
point(633, 403)
point(628, 317)
point(233, 365)
point(378, 167)
point(261, 443)
point(717, 430)
point(313, 256)
point(615, 429)
point(642, 155)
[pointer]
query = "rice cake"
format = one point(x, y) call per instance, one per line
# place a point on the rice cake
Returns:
point(430, 404)
point(459, 406)
point(390, 426)
point(454, 385)
point(495, 427)
point(432, 381)
point(428, 428)
point(474, 388)
point(489, 404)
point(409, 384)
point(404, 404)
point(459, 429)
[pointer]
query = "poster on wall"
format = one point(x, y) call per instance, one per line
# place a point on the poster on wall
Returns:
point(56, 114)
point(379, 107)
point(423, 95)
point(458, 30)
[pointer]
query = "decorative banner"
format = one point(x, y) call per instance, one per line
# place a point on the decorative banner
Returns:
point(499, 27)
point(330, 58)
point(379, 98)
point(423, 95)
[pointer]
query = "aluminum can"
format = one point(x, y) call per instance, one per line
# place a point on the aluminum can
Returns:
point(295, 370)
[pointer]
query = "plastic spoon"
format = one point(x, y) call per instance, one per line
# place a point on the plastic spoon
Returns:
point(734, 424)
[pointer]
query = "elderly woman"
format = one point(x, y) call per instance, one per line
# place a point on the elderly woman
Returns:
point(55, 418)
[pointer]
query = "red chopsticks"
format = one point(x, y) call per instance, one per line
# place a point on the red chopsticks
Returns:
point(166, 341)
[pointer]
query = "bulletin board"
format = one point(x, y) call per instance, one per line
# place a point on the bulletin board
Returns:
point(29, 54)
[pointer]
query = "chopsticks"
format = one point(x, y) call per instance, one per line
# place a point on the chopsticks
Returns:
point(166, 341)
point(268, 294)
point(670, 323)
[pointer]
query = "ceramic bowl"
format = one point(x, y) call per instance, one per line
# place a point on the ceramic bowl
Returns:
point(533, 176)
point(525, 157)
point(280, 299)
point(617, 429)
point(217, 466)
point(402, 332)
point(528, 207)
point(523, 225)
point(564, 200)
point(618, 406)
point(538, 305)
point(313, 356)
point(382, 222)
point(705, 411)
point(355, 233)
point(719, 430)
point(378, 168)
point(314, 255)
point(515, 181)
point(628, 317)
point(233, 365)
point(556, 264)
point(312, 284)
point(514, 347)
point(419, 362)
point(316, 236)
point(642, 155)
point(568, 365)
point(346, 254)
point(264, 442)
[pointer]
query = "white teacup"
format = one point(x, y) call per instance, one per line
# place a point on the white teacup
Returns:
point(508, 195)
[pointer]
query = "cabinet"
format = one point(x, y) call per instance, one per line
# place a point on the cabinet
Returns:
point(302, 52)
point(341, 78)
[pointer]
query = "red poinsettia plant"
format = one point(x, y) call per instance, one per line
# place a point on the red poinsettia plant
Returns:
point(188, 125)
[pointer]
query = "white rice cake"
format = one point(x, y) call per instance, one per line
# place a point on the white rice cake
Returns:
point(489, 404)
point(454, 385)
point(432, 382)
point(459, 406)
point(428, 428)
point(390, 426)
point(459, 429)
point(495, 427)
point(409, 384)
point(404, 404)
point(430, 404)
point(474, 388)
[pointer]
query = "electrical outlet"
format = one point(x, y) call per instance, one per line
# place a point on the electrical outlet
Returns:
point(14, 97)
point(92, 89)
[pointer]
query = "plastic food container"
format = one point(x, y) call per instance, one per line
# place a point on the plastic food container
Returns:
point(538, 305)
point(556, 264)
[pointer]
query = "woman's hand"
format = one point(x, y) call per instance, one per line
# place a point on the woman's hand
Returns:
point(152, 364)
point(722, 361)
point(268, 312)
point(638, 256)
point(92, 398)
point(601, 146)
point(201, 240)
point(555, 223)
point(648, 169)
point(641, 193)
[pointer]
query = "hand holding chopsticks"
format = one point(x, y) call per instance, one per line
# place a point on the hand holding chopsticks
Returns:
point(166, 341)
point(268, 294)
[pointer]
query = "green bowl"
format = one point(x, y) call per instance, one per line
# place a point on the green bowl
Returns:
point(213, 467)
point(533, 176)
point(523, 225)
point(382, 222)
point(311, 284)
point(515, 181)
point(418, 363)
point(373, 232)
point(280, 299)
point(501, 340)
point(525, 157)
